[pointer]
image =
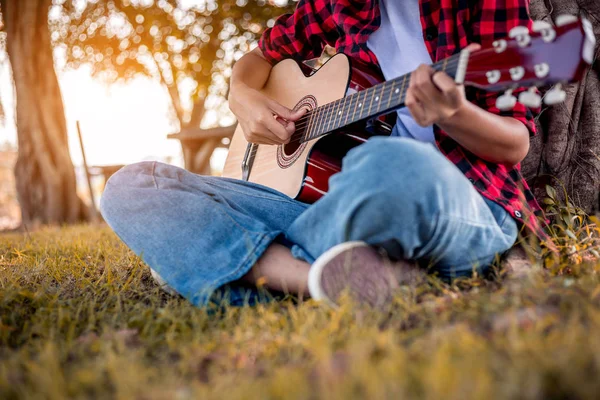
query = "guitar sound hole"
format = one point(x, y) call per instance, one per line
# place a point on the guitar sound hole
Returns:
point(294, 144)
point(288, 154)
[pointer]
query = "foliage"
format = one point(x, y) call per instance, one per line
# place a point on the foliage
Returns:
point(189, 46)
point(575, 234)
point(80, 317)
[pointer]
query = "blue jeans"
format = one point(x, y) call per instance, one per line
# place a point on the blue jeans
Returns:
point(202, 233)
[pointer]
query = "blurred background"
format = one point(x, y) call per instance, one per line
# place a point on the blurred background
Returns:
point(143, 79)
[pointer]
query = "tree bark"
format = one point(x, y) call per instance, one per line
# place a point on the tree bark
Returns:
point(566, 153)
point(44, 172)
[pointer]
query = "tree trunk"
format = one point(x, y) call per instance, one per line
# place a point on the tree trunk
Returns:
point(44, 172)
point(566, 153)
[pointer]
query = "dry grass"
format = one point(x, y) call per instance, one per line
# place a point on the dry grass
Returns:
point(81, 318)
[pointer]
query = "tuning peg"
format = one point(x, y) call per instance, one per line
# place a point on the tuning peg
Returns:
point(507, 101)
point(500, 45)
point(589, 44)
point(555, 95)
point(545, 29)
point(518, 30)
point(517, 73)
point(539, 26)
point(493, 76)
point(565, 19)
point(541, 70)
point(521, 35)
point(530, 98)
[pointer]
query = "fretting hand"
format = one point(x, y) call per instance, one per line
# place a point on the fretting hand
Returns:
point(433, 97)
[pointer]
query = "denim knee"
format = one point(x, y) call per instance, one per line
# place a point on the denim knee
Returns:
point(396, 188)
point(401, 172)
point(128, 175)
point(122, 181)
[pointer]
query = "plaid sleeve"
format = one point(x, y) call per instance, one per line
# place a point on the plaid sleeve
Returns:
point(301, 35)
point(492, 20)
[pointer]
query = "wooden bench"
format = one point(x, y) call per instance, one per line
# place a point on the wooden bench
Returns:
point(106, 171)
point(198, 146)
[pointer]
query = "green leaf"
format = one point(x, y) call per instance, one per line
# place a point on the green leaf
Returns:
point(551, 192)
point(571, 234)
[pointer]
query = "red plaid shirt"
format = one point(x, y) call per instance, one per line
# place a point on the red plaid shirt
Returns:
point(448, 26)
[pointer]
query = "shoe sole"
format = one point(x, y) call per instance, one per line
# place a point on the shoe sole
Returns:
point(354, 266)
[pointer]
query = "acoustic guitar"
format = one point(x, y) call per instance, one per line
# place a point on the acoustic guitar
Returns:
point(345, 102)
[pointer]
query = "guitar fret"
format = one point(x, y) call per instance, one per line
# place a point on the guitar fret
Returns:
point(308, 130)
point(353, 116)
point(313, 120)
point(334, 113)
point(401, 94)
point(348, 110)
point(337, 116)
point(371, 103)
point(347, 100)
point(355, 106)
point(335, 108)
point(381, 94)
point(361, 103)
point(331, 116)
point(356, 109)
point(318, 122)
point(390, 95)
point(341, 112)
point(324, 119)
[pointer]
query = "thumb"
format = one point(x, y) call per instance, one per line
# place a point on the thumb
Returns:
point(473, 47)
point(284, 112)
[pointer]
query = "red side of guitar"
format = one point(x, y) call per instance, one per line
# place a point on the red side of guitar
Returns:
point(325, 158)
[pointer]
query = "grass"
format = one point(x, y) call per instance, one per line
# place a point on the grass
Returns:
point(80, 317)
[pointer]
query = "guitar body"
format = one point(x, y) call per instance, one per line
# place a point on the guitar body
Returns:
point(302, 170)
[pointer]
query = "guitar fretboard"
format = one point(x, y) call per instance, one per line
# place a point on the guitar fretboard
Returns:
point(377, 100)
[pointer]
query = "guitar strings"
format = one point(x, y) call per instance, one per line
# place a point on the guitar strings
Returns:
point(300, 135)
point(321, 111)
point(385, 91)
point(346, 107)
point(452, 62)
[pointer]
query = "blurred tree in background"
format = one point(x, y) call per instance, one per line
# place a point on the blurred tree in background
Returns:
point(44, 173)
point(188, 46)
point(2, 63)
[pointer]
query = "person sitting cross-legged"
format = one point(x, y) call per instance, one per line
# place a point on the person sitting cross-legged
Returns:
point(442, 194)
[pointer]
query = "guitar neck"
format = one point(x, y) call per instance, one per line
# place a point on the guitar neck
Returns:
point(375, 101)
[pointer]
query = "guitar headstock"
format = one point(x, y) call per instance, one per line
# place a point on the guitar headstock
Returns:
point(546, 55)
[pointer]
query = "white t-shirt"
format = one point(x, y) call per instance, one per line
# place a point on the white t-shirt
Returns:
point(399, 47)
